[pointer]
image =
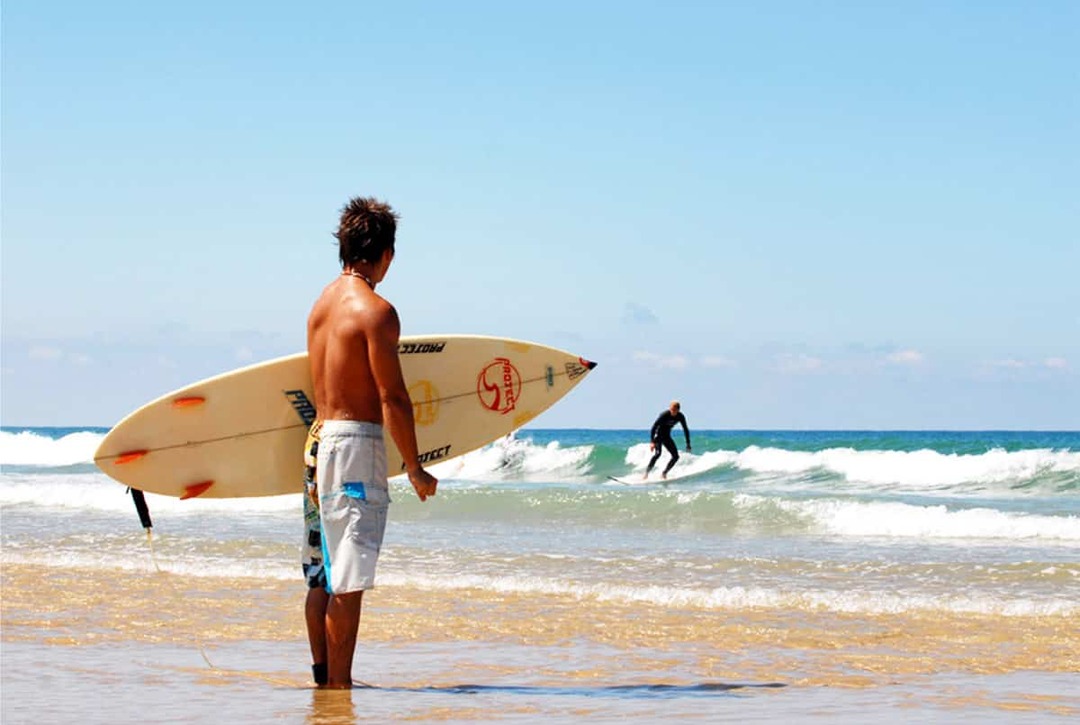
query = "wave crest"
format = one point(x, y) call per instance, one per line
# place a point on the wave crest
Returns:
point(27, 448)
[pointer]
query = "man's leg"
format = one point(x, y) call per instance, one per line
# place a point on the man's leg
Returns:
point(315, 575)
point(670, 445)
point(654, 459)
point(311, 560)
point(342, 624)
point(315, 618)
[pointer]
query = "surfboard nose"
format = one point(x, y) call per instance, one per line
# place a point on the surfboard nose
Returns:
point(587, 363)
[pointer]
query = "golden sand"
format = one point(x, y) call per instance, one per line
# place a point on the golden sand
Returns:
point(76, 607)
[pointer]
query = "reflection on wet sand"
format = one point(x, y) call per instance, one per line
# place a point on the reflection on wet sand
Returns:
point(74, 607)
point(331, 707)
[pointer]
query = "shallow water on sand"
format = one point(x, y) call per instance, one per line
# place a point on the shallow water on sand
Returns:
point(80, 646)
point(253, 682)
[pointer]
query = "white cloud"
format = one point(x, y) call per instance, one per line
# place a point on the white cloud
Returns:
point(45, 353)
point(55, 354)
point(1009, 364)
point(905, 357)
point(1012, 363)
point(798, 363)
point(664, 362)
point(717, 361)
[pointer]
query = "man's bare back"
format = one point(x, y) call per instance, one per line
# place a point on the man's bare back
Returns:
point(353, 337)
point(348, 325)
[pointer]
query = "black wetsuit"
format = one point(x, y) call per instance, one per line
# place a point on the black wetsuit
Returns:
point(660, 435)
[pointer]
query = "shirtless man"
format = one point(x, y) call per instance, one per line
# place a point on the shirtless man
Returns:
point(352, 340)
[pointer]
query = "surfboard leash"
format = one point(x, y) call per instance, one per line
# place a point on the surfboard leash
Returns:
point(144, 518)
point(229, 672)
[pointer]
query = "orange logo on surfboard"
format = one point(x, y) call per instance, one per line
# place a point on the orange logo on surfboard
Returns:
point(425, 401)
point(499, 386)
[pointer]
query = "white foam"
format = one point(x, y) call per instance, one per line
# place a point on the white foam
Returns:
point(906, 521)
point(27, 448)
point(96, 492)
point(922, 469)
point(175, 557)
point(689, 464)
point(139, 558)
point(719, 598)
point(847, 601)
point(511, 457)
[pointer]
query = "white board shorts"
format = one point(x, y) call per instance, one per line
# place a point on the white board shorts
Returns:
point(353, 500)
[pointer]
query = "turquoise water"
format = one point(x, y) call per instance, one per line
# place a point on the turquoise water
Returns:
point(866, 522)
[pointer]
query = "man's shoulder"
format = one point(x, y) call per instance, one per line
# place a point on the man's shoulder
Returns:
point(365, 304)
point(381, 309)
point(376, 317)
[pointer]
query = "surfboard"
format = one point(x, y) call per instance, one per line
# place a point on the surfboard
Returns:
point(625, 482)
point(242, 433)
point(654, 478)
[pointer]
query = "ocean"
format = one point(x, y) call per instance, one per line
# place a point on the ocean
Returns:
point(807, 575)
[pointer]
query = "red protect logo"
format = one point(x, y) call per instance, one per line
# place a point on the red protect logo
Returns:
point(499, 386)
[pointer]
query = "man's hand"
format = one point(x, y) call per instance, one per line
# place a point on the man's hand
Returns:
point(423, 482)
point(688, 448)
point(652, 446)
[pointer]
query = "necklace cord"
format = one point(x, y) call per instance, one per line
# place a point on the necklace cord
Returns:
point(354, 273)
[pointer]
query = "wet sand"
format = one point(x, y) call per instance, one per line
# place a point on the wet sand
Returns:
point(157, 639)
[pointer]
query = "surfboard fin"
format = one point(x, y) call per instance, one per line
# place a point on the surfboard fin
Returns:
point(129, 456)
point(196, 489)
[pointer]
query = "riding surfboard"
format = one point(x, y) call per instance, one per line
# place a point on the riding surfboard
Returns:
point(654, 478)
point(638, 482)
point(242, 433)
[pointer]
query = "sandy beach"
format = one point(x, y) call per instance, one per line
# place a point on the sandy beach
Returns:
point(78, 643)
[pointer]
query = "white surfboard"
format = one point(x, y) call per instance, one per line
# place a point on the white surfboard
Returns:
point(242, 433)
point(635, 479)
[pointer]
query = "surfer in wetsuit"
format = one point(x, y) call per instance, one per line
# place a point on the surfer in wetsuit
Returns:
point(660, 437)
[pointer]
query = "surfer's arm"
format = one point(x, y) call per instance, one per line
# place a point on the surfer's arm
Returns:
point(394, 397)
point(686, 430)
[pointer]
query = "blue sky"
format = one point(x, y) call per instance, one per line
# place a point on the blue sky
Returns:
point(786, 214)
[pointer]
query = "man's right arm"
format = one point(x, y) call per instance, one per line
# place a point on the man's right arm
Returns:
point(396, 404)
point(655, 428)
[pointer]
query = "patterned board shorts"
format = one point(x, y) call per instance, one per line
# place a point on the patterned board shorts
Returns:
point(311, 555)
